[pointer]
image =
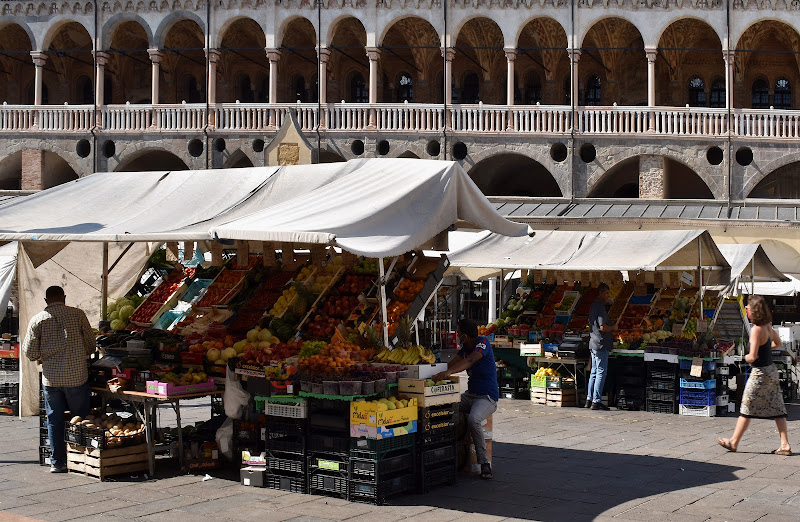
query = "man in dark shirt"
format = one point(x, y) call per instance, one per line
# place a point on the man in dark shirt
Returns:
point(600, 343)
point(480, 400)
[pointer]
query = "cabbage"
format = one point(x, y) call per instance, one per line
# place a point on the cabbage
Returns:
point(125, 312)
point(122, 301)
point(118, 324)
point(113, 316)
point(111, 306)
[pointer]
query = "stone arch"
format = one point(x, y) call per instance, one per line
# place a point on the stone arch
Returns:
point(238, 159)
point(581, 37)
point(220, 36)
point(408, 154)
point(55, 27)
point(281, 32)
point(514, 174)
point(659, 34)
point(336, 23)
point(538, 155)
point(391, 23)
point(524, 24)
point(110, 27)
point(410, 150)
point(7, 20)
point(456, 31)
point(162, 155)
point(55, 147)
point(172, 19)
point(761, 173)
point(737, 36)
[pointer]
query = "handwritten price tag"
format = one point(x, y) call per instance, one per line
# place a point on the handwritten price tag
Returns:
point(697, 367)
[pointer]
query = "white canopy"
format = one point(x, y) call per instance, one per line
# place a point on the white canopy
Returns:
point(748, 260)
point(591, 251)
point(8, 268)
point(784, 289)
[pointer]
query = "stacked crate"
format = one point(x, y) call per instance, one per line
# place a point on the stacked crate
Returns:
point(630, 386)
point(285, 445)
point(9, 386)
point(698, 396)
point(381, 468)
point(44, 441)
point(661, 379)
point(437, 457)
point(513, 383)
point(328, 448)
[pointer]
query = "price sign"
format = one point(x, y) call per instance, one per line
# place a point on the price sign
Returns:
point(687, 278)
point(658, 279)
point(269, 253)
point(677, 329)
point(242, 252)
point(697, 367)
point(216, 254)
point(188, 250)
point(585, 277)
point(702, 326)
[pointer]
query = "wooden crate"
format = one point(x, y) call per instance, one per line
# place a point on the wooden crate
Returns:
point(561, 398)
point(539, 395)
point(101, 464)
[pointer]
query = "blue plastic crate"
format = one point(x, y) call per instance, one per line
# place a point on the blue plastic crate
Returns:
point(709, 313)
point(708, 366)
point(195, 289)
point(710, 384)
point(168, 318)
point(691, 397)
point(641, 299)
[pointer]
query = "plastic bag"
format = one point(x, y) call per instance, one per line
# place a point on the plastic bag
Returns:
point(235, 397)
point(224, 438)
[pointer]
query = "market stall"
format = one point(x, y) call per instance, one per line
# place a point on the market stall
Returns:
point(241, 319)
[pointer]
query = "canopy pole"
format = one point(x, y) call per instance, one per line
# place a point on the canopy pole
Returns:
point(700, 272)
point(104, 287)
point(502, 287)
point(752, 276)
point(384, 323)
point(492, 299)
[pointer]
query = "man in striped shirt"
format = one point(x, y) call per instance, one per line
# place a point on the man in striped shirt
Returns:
point(60, 338)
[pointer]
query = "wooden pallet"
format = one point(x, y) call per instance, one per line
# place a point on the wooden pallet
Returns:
point(101, 464)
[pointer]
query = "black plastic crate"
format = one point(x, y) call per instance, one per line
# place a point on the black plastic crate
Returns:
point(377, 448)
point(378, 493)
point(245, 432)
point(42, 418)
point(661, 384)
point(436, 456)
point(660, 407)
point(44, 439)
point(661, 395)
point(380, 470)
point(429, 479)
point(632, 369)
point(286, 437)
point(507, 393)
point(433, 438)
point(11, 365)
point(280, 464)
point(44, 455)
point(285, 483)
point(331, 443)
point(328, 463)
point(330, 484)
point(9, 389)
point(631, 391)
point(9, 407)
point(436, 418)
point(522, 394)
point(630, 403)
point(630, 380)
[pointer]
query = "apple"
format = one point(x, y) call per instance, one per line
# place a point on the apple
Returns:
point(239, 346)
point(264, 335)
point(252, 335)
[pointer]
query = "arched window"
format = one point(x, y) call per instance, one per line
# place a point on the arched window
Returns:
point(190, 91)
point(298, 89)
point(358, 89)
point(455, 93)
point(471, 89)
point(83, 90)
point(244, 88)
point(567, 90)
point(405, 87)
point(262, 88)
point(760, 94)
point(593, 91)
point(439, 89)
point(697, 92)
point(718, 94)
point(108, 91)
point(313, 91)
point(783, 94)
point(533, 88)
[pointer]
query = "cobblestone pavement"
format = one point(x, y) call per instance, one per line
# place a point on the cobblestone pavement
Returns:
point(550, 464)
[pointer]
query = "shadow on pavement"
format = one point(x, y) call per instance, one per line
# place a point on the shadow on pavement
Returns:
point(544, 483)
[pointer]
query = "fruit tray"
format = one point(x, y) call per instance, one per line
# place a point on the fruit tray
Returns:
point(168, 389)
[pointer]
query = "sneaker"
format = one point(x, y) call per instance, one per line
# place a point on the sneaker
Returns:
point(588, 404)
point(599, 406)
point(58, 469)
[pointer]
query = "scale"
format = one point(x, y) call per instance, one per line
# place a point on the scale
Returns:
point(573, 347)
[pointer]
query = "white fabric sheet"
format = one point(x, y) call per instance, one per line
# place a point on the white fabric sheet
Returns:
point(8, 270)
point(740, 256)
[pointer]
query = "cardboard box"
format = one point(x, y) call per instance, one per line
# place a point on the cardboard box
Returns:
point(366, 413)
point(418, 371)
point(531, 349)
point(252, 476)
point(417, 387)
point(382, 432)
point(12, 353)
point(251, 459)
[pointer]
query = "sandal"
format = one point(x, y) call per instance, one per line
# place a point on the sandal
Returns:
point(786, 453)
point(486, 471)
point(726, 443)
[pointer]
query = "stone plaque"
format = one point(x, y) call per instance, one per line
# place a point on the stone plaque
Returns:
point(288, 154)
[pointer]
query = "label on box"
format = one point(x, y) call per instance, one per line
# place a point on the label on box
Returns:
point(687, 278)
point(702, 326)
point(328, 464)
point(697, 367)
point(677, 329)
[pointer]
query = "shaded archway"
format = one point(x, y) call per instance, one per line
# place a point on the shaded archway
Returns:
point(514, 175)
point(150, 160)
point(541, 63)
point(298, 66)
point(479, 62)
point(244, 63)
point(129, 67)
point(613, 53)
point(56, 171)
point(408, 154)
point(411, 51)
point(689, 65)
point(783, 183)
point(767, 52)
point(184, 60)
point(15, 48)
point(329, 156)
point(622, 181)
point(348, 59)
point(11, 172)
point(238, 160)
point(69, 55)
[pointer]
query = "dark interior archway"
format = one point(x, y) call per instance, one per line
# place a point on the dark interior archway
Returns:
point(783, 183)
point(514, 175)
point(622, 181)
point(152, 160)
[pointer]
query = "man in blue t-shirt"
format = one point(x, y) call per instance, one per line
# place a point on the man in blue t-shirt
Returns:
point(600, 344)
point(480, 400)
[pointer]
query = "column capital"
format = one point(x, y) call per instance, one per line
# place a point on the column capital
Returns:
point(324, 54)
point(728, 56)
point(511, 53)
point(213, 55)
point(651, 53)
point(102, 58)
point(448, 53)
point(574, 54)
point(39, 58)
point(274, 55)
point(155, 55)
point(373, 53)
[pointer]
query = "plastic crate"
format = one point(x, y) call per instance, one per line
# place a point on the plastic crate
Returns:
point(282, 466)
point(376, 448)
point(434, 438)
point(333, 443)
point(378, 493)
point(661, 374)
point(435, 418)
point(698, 411)
point(698, 397)
point(9, 364)
point(286, 437)
point(538, 381)
point(9, 377)
point(661, 384)
point(379, 470)
point(630, 403)
point(710, 384)
point(246, 433)
point(292, 410)
point(660, 407)
point(44, 455)
point(284, 483)
point(659, 395)
point(436, 456)
point(325, 483)
point(429, 479)
point(708, 366)
point(44, 438)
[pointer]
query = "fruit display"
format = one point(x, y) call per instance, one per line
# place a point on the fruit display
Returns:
point(148, 310)
point(366, 267)
point(392, 403)
point(410, 355)
point(549, 372)
point(354, 284)
point(199, 321)
point(223, 288)
point(408, 289)
point(183, 379)
point(395, 311)
point(321, 283)
point(621, 294)
point(334, 358)
point(566, 303)
point(118, 430)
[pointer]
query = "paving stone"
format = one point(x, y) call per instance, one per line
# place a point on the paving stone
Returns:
point(148, 508)
point(330, 510)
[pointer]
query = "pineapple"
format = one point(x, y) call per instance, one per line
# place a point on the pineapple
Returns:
point(374, 338)
point(403, 332)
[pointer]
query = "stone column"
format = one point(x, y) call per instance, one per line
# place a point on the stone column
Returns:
point(101, 59)
point(448, 53)
point(575, 57)
point(32, 167)
point(729, 58)
point(651, 76)
point(652, 181)
point(322, 74)
point(39, 59)
point(511, 55)
point(373, 53)
point(274, 56)
point(155, 58)
point(211, 91)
